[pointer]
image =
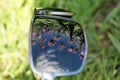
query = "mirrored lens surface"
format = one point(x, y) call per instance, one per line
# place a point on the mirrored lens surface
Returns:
point(57, 46)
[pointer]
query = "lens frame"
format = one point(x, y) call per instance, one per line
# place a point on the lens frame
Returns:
point(37, 16)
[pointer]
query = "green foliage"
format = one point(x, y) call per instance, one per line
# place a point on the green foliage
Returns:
point(115, 42)
point(101, 18)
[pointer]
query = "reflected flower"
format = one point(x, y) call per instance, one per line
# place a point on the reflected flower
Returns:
point(42, 46)
point(34, 41)
point(56, 37)
point(51, 42)
point(70, 49)
point(81, 56)
point(62, 45)
point(75, 50)
point(70, 41)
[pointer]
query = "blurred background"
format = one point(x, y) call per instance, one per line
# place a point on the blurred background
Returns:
point(100, 18)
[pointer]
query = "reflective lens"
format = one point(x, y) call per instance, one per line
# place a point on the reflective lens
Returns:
point(57, 46)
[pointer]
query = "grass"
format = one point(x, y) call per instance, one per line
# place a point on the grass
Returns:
point(100, 18)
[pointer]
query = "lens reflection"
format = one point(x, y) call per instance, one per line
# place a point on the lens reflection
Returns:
point(57, 46)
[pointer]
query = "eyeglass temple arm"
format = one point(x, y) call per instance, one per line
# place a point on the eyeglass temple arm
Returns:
point(53, 12)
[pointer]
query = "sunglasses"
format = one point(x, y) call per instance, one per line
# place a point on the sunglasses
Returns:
point(57, 44)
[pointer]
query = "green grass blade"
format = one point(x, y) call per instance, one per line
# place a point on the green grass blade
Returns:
point(115, 41)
